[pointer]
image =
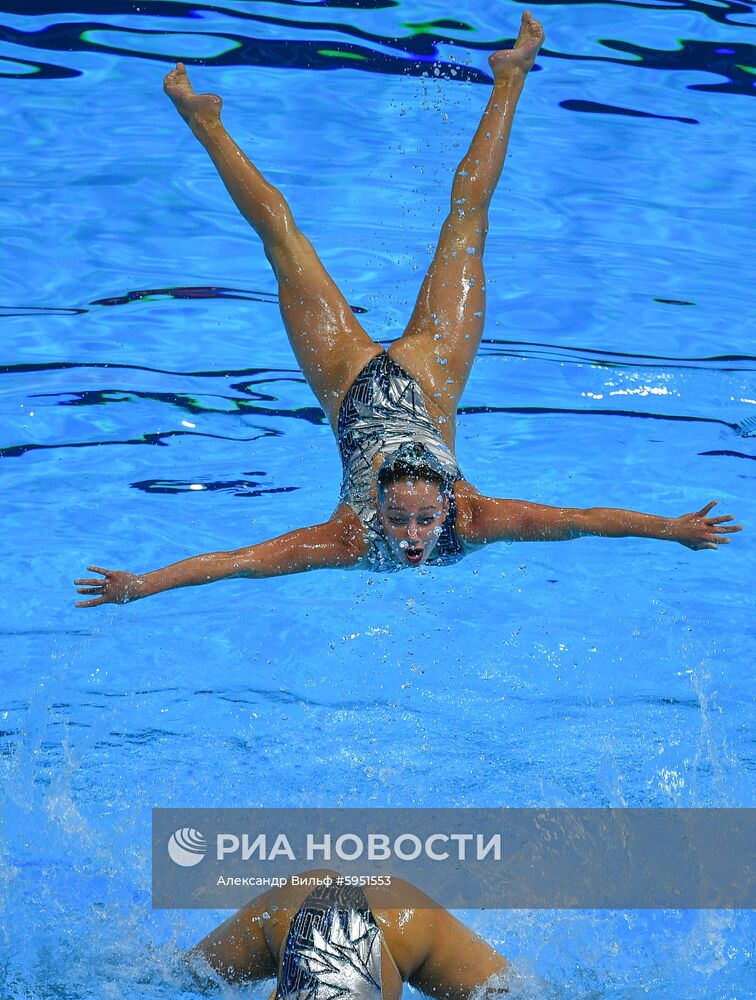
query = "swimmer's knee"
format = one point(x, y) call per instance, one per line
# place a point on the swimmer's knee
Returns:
point(270, 254)
point(289, 253)
point(275, 224)
point(466, 229)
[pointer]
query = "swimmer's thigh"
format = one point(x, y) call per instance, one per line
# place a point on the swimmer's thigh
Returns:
point(329, 343)
point(441, 340)
point(247, 946)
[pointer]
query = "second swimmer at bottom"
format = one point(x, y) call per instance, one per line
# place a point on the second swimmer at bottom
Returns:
point(343, 941)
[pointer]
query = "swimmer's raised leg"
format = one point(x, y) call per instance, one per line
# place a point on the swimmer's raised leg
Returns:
point(442, 337)
point(329, 343)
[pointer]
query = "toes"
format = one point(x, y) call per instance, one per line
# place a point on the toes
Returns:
point(178, 78)
point(534, 27)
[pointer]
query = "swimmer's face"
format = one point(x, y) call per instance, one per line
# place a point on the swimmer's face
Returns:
point(412, 513)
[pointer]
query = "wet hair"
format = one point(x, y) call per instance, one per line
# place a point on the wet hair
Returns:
point(402, 470)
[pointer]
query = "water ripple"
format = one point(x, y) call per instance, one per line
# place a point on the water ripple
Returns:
point(419, 48)
point(593, 107)
point(156, 438)
point(236, 487)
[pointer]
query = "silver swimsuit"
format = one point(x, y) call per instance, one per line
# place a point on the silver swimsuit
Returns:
point(333, 949)
point(383, 410)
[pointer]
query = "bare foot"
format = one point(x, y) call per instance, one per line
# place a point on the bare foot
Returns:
point(198, 110)
point(525, 50)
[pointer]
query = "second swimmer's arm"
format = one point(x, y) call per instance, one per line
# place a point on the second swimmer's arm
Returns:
point(491, 520)
point(335, 543)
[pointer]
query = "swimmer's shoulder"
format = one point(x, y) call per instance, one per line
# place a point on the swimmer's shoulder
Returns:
point(466, 499)
point(350, 533)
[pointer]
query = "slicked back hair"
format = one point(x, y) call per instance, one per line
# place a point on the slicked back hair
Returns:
point(401, 471)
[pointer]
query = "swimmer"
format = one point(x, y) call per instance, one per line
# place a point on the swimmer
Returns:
point(338, 941)
point(404, 501)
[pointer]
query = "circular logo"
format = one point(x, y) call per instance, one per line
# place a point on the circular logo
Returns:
point(187, 847)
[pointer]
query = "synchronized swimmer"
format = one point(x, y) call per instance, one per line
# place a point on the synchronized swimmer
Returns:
point(404, 501)
point(354, 944)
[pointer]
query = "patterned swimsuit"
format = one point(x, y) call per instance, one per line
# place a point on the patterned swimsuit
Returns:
point(333, 949)
point(383, 410)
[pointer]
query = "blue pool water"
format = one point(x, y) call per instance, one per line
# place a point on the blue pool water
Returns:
point(143, 354)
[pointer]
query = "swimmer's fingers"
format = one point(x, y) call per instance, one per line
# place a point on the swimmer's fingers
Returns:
point(92, 585)
point(110, 578)
point(91, 604)
point(714, 539)
point(705, 510)
point(116, 587)
point(716, 522)
point(717, 529)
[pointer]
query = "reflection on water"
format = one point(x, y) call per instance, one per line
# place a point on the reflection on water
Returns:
point(241, 37)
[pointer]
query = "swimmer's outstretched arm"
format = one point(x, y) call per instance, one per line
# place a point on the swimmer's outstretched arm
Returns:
point(487, 519)
point(337, 543)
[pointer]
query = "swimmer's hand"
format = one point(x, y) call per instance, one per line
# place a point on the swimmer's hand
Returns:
point(117, 587)
point(699, 531)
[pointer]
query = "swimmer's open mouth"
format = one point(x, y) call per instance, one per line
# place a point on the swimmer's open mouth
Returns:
point(414, 556)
